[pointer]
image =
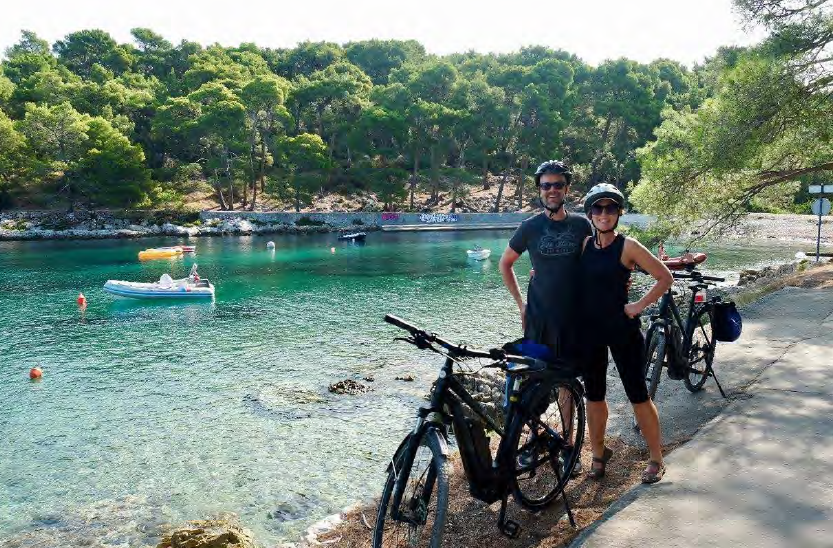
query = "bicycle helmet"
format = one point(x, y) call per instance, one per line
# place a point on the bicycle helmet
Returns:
point(553, 166)
point(602, 191)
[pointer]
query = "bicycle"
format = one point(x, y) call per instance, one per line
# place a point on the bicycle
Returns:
point(538, 448)
point(684, 347)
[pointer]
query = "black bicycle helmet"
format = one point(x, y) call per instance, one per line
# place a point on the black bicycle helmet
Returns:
point(553, 166)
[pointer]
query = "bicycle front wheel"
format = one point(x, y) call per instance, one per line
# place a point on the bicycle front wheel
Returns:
point(419, 519)
point(543, 464)
point(701, 351)
point(654, 358)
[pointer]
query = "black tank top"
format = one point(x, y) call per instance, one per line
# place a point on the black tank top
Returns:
point(604, 279)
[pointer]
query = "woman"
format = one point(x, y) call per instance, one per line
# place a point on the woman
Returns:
point(611, 322)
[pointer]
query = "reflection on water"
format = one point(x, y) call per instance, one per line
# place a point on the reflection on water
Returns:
point(161, 411)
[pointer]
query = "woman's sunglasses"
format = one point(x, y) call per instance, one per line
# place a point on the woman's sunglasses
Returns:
point(609, 209)
point(558, 185)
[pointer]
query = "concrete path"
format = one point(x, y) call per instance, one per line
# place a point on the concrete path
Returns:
point(760, 474)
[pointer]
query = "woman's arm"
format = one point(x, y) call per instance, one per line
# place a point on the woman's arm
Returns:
point(635, 254)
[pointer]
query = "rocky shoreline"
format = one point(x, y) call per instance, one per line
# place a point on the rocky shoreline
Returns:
point(91, 225)
point(52, 225)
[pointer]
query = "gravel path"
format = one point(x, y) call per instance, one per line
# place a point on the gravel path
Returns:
point(802, 228)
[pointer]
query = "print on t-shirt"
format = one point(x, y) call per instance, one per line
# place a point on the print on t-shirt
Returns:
point(559, 242)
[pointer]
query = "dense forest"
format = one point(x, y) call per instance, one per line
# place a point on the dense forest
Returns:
point(94, 123)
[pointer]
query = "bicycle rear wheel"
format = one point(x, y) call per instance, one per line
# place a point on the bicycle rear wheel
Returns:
point(701, 351)
point(543, 464)
point(419, 520)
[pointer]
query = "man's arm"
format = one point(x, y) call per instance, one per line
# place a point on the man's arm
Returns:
point(510, 280)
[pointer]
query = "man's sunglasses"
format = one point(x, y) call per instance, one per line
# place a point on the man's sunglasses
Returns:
point(558, 185)
point(610, 209)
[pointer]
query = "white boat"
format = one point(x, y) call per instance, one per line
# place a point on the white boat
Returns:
point(192, 287)
point(478, 253)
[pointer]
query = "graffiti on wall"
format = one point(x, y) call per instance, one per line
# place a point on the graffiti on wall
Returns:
point(438, 217)
point(390, 216)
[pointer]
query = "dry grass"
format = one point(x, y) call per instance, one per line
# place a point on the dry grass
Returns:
point(472, 523)
point(812, 277)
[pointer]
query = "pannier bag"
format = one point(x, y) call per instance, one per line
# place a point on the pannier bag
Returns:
point(727, 323)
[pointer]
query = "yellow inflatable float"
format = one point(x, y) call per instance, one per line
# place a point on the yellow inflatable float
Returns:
point(160, 253)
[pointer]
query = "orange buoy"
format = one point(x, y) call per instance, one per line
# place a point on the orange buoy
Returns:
point(35, 373)
point(81, 300)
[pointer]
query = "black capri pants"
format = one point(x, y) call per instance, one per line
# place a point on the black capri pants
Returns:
point(627, 346)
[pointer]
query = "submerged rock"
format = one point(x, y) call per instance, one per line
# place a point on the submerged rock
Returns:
point(221, 532)
point(348, 386)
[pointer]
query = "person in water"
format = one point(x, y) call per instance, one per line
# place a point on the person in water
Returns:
point(610, 321)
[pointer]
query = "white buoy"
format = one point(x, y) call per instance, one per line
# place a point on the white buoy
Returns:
point(270, 245)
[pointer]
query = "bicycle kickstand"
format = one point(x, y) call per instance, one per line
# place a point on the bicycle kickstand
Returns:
point(508, 527)
point(722, 393)
point(567, 506)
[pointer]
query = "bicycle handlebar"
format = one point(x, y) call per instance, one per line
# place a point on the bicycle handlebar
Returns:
point(696, 276)
point(497, 354)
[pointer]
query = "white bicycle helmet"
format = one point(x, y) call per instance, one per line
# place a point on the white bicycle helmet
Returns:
point(602, 191)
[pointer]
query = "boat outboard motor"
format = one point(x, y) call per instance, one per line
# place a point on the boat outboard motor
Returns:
point(165, 280)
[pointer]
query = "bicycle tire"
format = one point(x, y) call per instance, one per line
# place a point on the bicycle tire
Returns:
point(426, 475)
point(701, 350)
point(539, 480)
point(654, 358)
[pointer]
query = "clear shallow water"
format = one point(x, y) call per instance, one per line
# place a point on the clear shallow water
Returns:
point(157, 412)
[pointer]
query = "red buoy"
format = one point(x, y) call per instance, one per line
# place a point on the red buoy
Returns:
point(81, 300)
point(35, 373)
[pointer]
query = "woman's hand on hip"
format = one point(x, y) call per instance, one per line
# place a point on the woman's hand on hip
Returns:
point(632, 310)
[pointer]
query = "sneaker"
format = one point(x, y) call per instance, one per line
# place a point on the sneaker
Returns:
point(565, 457)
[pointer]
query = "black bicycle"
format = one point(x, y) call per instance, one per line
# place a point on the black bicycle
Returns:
point(534, 460)
point(687, 347)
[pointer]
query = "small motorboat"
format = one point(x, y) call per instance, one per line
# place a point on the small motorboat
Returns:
point(160, 252)
point(353, 236)
point(192, 287)
point(478, 253)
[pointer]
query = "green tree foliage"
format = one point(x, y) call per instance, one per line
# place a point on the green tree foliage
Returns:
point(768, 125)
point(392, 119)
point(81, 51)
point(11, 161)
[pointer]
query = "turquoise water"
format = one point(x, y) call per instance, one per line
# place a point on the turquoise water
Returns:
point(153, 413)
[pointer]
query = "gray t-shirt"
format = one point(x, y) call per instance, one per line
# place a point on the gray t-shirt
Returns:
point(555, 249)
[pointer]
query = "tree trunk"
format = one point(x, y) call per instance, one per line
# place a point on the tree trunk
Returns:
point(486, 184)
point(594, 166)
point(502, 183)
point(435, 176)
point(414, 178)
point(219, 190)
point(521, 180)
point(297, 199)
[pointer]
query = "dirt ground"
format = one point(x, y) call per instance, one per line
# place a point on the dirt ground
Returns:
point(472, 524)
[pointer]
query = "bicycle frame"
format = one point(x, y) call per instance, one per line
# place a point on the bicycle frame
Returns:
point(487, 483)
point(668, 314)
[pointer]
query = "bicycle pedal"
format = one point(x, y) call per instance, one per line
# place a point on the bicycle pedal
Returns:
point(510, 528)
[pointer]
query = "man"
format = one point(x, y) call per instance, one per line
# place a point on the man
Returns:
point(554, 241)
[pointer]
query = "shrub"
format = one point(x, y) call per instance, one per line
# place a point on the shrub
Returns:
point(358, 222)
point(306, 221)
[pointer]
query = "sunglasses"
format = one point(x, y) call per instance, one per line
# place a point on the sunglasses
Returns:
point(558, 185)
point(609, 209)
